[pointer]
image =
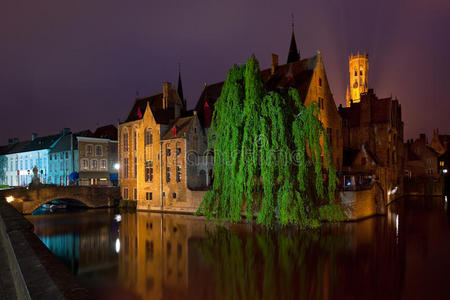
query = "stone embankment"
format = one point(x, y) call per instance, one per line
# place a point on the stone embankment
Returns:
point(28, 269)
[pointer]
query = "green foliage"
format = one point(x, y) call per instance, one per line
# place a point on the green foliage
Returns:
point(269, 154)
point(332, 213)
point(273, 264)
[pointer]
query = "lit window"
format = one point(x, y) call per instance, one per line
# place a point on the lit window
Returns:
point(88, 149)
point(178, 174)
point(103, 164)
point(94, 164)
point(149, 171)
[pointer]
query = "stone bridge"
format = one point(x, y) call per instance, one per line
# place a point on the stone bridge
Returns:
point(28, 200)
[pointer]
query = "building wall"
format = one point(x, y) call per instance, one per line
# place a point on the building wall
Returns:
point(329, 116)
point(19, 167)
point(97, 168)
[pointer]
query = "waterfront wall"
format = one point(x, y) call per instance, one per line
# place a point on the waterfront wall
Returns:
point(44, 275)
point(363, 203)
point(424, 186)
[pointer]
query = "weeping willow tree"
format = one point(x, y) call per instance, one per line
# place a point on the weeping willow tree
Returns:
point(269, 155)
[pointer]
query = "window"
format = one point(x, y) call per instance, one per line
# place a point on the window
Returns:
point(356, 73)
point(94, 164)
point(67, 155)
point(125, 194)
point(125, 142)
point(441, 163)
point(178, 151)
point(135, 140)
point(149, 171)
point(320, 81)
point(98, 150)
point(178, 174)
point(135, 194)
point(103, 164)
point(168, 174)
point(88, 149)
point(51, 157)
point(135, 167)
point(174, 195)
point(167, 152)
point(61, 166)
point(125, 168)
point(360, 72)
point(148, 137)
point(148, 196)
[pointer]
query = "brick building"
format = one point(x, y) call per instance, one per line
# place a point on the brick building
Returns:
point(161, 148)
point(422, 160)
point(373, 139)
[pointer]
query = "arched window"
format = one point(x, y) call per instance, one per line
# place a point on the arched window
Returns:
point(148, 137)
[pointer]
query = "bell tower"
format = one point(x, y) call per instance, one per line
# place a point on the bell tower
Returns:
point(358, 81)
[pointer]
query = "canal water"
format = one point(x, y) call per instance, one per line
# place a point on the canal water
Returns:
point(403, 255)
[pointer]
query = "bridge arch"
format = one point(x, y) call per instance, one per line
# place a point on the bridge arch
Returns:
point(39, 203)
point(28, 200)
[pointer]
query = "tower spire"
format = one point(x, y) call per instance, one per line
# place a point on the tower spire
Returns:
point(293, 54)
point(180, 88)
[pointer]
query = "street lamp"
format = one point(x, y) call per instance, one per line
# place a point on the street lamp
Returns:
point(117, 166)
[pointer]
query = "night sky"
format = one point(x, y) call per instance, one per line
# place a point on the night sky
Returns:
point(79, 63)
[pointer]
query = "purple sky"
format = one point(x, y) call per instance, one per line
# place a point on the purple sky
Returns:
point(79, 63)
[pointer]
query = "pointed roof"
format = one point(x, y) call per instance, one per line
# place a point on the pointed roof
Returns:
point(293, 54)
point(180, 90)
point(182, 126)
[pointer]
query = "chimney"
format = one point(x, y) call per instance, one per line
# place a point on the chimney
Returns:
point(274, 63)
point(34, 136)
point(10, 141)
point(166, 89)
point(65, 131)
point(15, 140)
point(423, 138)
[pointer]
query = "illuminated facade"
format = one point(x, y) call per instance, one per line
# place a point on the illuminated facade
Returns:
point(359, 75)
point(161, 152)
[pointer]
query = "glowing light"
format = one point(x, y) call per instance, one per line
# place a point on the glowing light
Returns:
point(116, 166)
point(117, 245)
point(445, 199)
point(396, 229)
point(445, 171)
point(393, 191)
point(118, 218)
point(9, 199)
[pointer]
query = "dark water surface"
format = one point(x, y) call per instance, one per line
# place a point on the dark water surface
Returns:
point(404, 255)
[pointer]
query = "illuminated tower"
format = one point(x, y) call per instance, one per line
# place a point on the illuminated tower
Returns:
point(359, 70)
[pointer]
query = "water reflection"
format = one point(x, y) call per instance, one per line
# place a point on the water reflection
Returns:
point(150, 255)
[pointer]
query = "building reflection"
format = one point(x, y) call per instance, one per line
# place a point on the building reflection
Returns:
point(84, 244)
point(154, 260)
point(174, 256)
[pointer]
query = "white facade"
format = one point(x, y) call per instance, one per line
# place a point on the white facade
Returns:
point(19, 167)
